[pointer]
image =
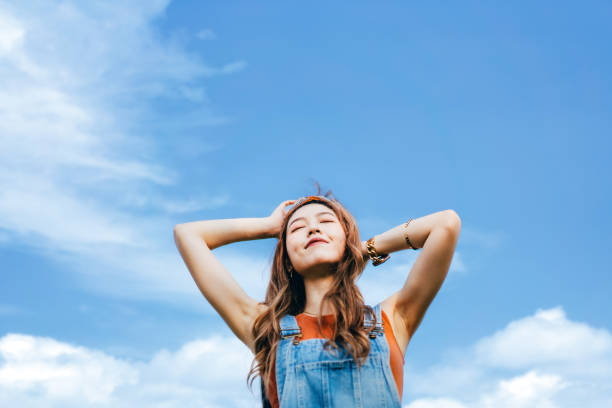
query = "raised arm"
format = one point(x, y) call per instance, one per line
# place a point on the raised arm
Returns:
point(437, 234)
point(195, 242)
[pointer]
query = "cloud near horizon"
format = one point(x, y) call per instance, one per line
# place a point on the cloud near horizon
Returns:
point(543, 360)
point(211, 372)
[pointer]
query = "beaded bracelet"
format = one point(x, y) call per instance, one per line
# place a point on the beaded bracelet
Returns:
point(406, 234)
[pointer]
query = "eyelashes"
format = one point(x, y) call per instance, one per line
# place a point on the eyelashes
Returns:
point(297, 228)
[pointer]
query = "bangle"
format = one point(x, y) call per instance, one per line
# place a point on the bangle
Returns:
point(376, 259)
point(406, 234)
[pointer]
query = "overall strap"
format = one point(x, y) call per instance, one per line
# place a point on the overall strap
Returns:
point(290, 328)
point(368, 321)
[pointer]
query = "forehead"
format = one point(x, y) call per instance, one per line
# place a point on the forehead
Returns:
point(308, 210)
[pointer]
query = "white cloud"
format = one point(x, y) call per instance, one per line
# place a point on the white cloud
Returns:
point(544, 360)
point(528, 390)
point(11, 34)
point(58, 371)
point(79, 164)
point(211, 372)
point(76, 175)
point(435, 403)
point(43, 372)
point(546, 338)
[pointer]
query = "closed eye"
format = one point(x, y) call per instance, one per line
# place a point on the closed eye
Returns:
point(297, 228)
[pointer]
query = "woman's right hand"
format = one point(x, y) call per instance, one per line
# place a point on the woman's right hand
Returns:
point(278, 216)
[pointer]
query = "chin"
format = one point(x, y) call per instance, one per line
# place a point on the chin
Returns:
point(323, 261)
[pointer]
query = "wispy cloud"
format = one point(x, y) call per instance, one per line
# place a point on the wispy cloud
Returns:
point(481, 238)
point(144, 273)
point(80, 116)
point(206, 34)
point(6, 310)
point(377, 283)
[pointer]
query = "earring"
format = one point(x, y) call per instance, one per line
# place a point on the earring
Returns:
point(291, 271)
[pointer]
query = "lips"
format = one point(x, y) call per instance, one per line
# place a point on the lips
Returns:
point(314, 241)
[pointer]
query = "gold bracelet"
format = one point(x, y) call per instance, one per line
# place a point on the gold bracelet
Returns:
point(406, 234)
point(376, 259)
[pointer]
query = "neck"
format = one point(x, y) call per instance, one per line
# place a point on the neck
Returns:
point(316, 288)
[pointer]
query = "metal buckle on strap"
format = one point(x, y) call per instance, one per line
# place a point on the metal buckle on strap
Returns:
point(376, 332)
point(295, 337)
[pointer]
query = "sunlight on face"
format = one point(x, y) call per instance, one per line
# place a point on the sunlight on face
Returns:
point(315, 221)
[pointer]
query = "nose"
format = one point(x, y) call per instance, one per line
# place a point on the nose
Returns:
point(312, 229)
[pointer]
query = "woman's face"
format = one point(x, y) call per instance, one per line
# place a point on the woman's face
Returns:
point(315, 221)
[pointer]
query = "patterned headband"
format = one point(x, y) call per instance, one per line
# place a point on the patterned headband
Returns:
point(308, 199)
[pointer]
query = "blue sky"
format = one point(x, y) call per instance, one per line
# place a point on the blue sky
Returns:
point(119, 121)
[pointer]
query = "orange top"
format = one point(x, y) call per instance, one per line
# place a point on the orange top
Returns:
point(308, 325)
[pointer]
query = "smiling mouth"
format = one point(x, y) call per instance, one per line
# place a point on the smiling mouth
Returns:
point(315, 243)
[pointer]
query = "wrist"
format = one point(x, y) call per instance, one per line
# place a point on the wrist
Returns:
point(270, 228)
point(364, 250)
point(375, 255)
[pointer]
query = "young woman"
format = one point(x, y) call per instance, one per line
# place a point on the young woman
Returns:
point(316, 343)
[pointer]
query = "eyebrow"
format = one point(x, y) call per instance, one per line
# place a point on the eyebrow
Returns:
point(319, 213)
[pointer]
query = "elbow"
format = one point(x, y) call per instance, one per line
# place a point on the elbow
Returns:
point(177, 230)
point(452, 221)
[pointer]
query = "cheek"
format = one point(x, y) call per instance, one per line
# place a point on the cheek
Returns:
point(342, 243)
point(291, 245)
point(340, 234)
point(339, 239)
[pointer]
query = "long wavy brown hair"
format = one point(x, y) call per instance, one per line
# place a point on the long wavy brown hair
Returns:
point(286, 295)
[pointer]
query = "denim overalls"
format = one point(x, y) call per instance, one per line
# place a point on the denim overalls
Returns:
point(308, 376)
